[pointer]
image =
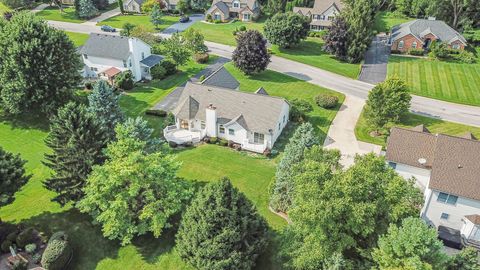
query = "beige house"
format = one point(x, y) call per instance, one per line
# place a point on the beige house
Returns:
point(224, 10)
point(134, 6)
point(322, 13)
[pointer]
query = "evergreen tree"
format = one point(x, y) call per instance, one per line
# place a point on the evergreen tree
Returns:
point(120, 5)
point(87, 9)
point(38, 66)
point(221, 229)
point(200, 5)
point(156, 16)
point(251, 55)
point(303, 138)
point(103, 104)
point(77, 141)
point(12, 175)
point(336, 39)
point(138, 128)
point(286, 29)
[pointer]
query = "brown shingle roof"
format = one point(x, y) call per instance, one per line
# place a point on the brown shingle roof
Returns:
point(320, 6)
point(408, 146)
point(475, 219)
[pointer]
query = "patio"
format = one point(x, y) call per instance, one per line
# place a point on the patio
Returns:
point(181, 136)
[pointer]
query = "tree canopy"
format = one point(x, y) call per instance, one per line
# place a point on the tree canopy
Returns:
point(12, 175)
point(251, 55)
point(286, 29)
point(336, 39)
point(175, 49)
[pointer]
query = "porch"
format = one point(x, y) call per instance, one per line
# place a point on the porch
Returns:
point(180, 135)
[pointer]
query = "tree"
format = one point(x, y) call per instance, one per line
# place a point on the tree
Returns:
point(343, 213)
point(299, 108)
point(142, 32)
point(182, 6)
point(30, 80)
point(12, 175)
point(101, 4)
point(176, 50)
point(76, 140)
point(467, 259)
point(156, 16)
point(133, 192)
point(286, 29)
point(387, 102)
point(103, 104)
point(221, 229)
point(124, 80)
point(275, 6)
point(87, 9)
point(413, 245)
point(200, 5)
point(303, 138)
point(455, 12)
point(127, 29)
point(194, 40)
point(148, 5)
point(336, 39)
point(137, 128)
point(251, 55)
point(120, 5)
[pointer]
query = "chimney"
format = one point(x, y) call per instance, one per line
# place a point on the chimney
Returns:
point(211, 120)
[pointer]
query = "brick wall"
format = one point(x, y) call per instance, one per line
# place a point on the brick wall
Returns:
point(407, 43)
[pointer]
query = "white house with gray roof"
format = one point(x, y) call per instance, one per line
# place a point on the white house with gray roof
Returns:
point(133, 6)
point(103, 55)
point(253, 120)
point(224, 10)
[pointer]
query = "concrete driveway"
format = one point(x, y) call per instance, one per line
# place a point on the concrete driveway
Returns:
point(374, 70)
point(180, 27)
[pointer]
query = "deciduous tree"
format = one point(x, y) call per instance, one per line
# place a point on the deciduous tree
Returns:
point(194, 40)
point(286, 29)
point(336, 39)
point(87, 9)
point(176, 50)
point(200, 5)
point(138, 128)
point(251, 55)
point(12, 175)
point(467, 259)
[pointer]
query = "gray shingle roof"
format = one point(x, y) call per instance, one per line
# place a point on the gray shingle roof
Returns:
point(222, 78)
point(152, 60)
point(221, 6)
point(320, 6)
point(106, 46)
point(261, 91)
point(419, 28)
point(258, 113)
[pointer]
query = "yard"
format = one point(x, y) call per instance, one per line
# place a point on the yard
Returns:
point(78, 39)
point(54, 14)
point(448, 81)
point(362, 129)
point(385, 20)
point(3, 8)
point(120, 20)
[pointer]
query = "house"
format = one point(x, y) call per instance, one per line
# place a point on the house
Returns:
point(104, 56)
point(322, 13)
point(252, 120)
point(224, 10)
point(171, 4)
point(447, 169)
point(134, 6)
point(419, 34)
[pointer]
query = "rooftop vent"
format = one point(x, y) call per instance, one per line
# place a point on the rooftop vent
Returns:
point(432, 18)
point(422, 161)
point(460, 166)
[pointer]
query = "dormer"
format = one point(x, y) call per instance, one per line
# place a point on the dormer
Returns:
point(236, 4)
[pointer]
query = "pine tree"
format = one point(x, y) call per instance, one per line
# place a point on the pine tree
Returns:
point(251, 55)
point(12, 175)
point(87, 9)
point(138, 128)
point(77, 141)
point(156, 16)
point(221, 229)
point(103, 104)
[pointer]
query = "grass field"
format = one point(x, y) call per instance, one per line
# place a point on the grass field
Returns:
point(223, 32)
point(362, 129)
point(385, 20)
point(3, 8)
point(119, 21)
point(54, 14)
point(77, 38)
point(448, 81)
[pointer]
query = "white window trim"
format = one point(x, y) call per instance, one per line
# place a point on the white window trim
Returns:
point(401, 43)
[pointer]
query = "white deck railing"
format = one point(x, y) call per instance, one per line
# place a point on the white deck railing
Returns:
point(180, 136)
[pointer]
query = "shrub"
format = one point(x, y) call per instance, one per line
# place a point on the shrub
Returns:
point(6, 229)
point(317, 34)
point(158, 72)
point(243, 28)
point(88, 85)
point(201, 58)
point(439, 51)
point(213, 140)
point(5, 247)
point(20, 265)
point(169, 67)
point(58, 252)
point(12, 236)
point(173, 144)
point(209, 17)
point(223, 142)
point(417, 52)
point(326, 101)
point(25, 237)
point(36, 258)
point(156, 112)
point(217, 21)
point(124, 80)
point(466, 57)
point(30, 248)
point(267, 152)
point(299, 109)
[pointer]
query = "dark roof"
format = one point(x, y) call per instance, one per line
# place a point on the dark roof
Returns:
point(222, 78)
point(421, 27)
point(454, 161)
point(110, 72)
point(221, 6)
point(421, 128)
point(106, 46)
point(152, 60)
point(261, 91)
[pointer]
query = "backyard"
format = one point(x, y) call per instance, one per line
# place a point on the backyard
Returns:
point(385, 20)
point(120, 20)
point(78, 39)
point(448, 81)
point(54, 14)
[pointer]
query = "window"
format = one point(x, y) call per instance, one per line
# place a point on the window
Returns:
point(202, 124)
point(444, 216)
point(143, 55)
point(124, 63)
point(414, 45)
point(217, 16)
point(146, 70)
point(447, 198)
point(222, 129)
point(393, 165)
point(184, 124)
point(322, 17)
point(85, 56)
point(284, 119)
point(279, 126)
point(246, 17)
point(400, 44)
point(236, 4)
point(456, 46)
point(231, 132)
point(258, 137)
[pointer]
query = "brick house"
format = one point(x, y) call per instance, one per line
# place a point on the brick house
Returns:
point(419, 34)
point(224, 10)
point(322, 13)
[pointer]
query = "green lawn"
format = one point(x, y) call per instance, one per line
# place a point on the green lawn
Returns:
point(223, 32)
point(454, 82)
point(120, 20)
point(362, 129)
point(54, 14)
point(3, 8)
point(77, 38)
point(385, 20)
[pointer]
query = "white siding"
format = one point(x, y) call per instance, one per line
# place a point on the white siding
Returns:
point(421, 175)
point(277, 132)
point(239, 133)
point(137, 47)
point(100, 64)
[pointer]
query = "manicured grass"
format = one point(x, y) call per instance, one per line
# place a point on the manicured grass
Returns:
point(277, 84)
point(310, 52)
point(454, 82)
point(54, 14)
point(385, 20)
point(3, 8)
point(120, 20)
point(362, 129)
point(223, 32)
point(77, 38)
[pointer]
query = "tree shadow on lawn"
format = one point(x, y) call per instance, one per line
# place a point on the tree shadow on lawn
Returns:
point(271, 76)
point(31, 120)
point(305, 48)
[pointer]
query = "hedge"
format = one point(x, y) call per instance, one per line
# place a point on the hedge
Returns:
point(326, 101)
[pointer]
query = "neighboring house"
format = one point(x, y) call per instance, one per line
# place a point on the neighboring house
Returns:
point(419, 34)
point(171, 4)
point(105, 56)
point(133, 6)
point(252, 120)
point(322, 13)
point(447, 169)
point(224, 10)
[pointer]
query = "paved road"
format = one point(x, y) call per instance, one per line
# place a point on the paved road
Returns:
point(374, 70)
point(78, 28)
point(180, 27)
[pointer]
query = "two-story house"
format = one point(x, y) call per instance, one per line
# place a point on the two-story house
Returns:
point(447, 169)
point(322, 13)
point(104, 56)
point(224, 10)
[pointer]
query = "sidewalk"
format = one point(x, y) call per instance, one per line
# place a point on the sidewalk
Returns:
point(39, 8)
